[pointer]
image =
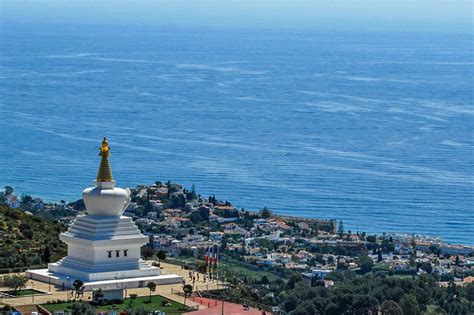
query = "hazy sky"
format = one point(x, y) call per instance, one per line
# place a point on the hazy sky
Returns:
point(434, 15)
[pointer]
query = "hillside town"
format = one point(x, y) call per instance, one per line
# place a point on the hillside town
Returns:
point(182, 223)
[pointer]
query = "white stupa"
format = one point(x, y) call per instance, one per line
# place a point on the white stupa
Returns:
point(103, 245)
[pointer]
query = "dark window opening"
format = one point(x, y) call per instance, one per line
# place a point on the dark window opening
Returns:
point(117, 253)
point(125, 252)
point(110, 253)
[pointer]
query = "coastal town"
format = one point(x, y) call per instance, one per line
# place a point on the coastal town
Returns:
point(186, 228)
point(181, 223)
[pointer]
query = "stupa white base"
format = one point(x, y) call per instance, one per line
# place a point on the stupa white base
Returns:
point(61, 280)
point(96, 256)
point(78, 269)
point(103, 248)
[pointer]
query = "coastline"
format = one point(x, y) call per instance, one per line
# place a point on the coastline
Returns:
point(424, 237)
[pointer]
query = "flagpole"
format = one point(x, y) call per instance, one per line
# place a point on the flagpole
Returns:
point(209, 264)
point(205, 261)
point(215, 264)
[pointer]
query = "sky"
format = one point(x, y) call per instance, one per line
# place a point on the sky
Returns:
point(436, 15)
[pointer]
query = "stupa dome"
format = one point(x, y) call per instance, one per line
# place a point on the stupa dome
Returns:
point(106, 201)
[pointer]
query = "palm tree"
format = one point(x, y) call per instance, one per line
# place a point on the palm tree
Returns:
point(78, 288)
point(132, 297)
point(188, 290)
point(98, 295)
point(152, 287)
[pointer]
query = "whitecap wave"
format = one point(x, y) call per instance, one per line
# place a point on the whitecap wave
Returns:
point(346, 96)
point(73, 55)
point(146, 94)
point(394, 169)
point(397, 110)
point(127, 60)
point(335, 107)
point(372, 79)
point(251, 98)
point(453, 143)
point(434, 63)
point(447, 108)
point(193, 66)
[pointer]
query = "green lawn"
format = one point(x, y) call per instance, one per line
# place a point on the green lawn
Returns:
point(249, 273)
point(24, 292)
point(381, 267)
point(143, 301)
point(139, 302)
point(233, 267)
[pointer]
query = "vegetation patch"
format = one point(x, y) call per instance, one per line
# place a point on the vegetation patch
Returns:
point(28, 240)
point(24, 292)
point(156, 302)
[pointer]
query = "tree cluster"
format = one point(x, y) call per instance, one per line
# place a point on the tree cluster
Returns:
point(357, 294)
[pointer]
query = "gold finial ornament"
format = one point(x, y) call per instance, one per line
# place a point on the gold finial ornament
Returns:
point(105, 173)
point(104, 149)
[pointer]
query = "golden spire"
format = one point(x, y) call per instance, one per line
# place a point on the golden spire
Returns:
point(105, 173)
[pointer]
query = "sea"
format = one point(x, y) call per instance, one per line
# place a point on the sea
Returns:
point(371, 128)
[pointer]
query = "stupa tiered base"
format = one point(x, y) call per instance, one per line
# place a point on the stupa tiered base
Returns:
point(104, 253)
point(101, 247)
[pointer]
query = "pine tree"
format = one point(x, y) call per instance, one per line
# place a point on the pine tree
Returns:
point(193, 192)
point(46, 257)
point(340, 229)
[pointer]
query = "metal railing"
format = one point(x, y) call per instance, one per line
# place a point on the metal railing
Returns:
point(202, 301)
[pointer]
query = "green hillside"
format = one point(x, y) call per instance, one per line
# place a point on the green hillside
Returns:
point(27, 240)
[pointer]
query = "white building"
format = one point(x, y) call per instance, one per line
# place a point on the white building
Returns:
point(216, 236)
point(12, 201)
point(103, 245)
point(319, 273)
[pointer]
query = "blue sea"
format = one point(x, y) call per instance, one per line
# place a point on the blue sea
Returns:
point(371, 128)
